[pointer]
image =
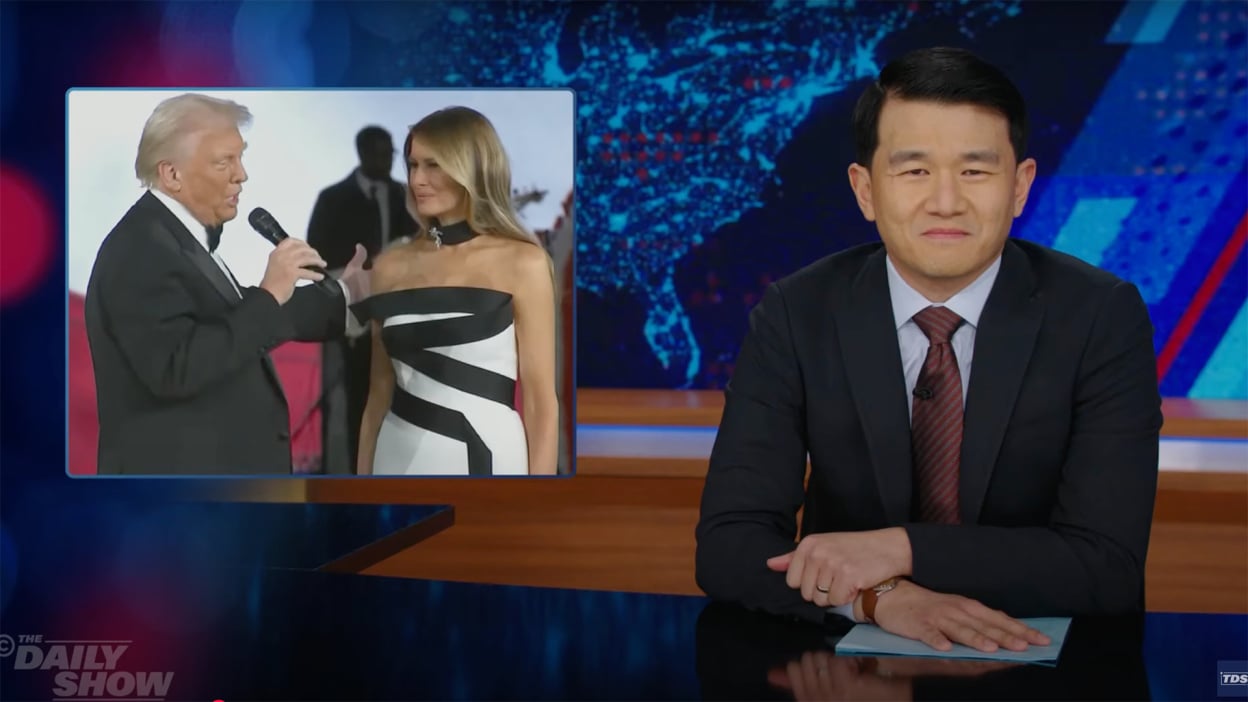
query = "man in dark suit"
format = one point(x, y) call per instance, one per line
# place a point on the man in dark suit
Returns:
point(184, 381)
point(981, 414)
point(367, 208)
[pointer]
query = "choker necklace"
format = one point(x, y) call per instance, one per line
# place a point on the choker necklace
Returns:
point(451, 234)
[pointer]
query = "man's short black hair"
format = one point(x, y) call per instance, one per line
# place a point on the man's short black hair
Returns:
point(371, 134)
point(939, 74)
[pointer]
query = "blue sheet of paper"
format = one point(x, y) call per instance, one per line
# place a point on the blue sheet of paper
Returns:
point(870, 640)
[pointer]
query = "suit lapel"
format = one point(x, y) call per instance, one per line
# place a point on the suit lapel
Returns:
point(205, 263)
point(1003, 344)
point(203, 260)
point(192, 249)
point(872, 357)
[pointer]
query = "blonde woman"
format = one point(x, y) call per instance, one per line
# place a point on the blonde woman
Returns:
point(459, 315)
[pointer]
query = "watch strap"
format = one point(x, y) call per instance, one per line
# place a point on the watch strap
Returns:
point(871, 597)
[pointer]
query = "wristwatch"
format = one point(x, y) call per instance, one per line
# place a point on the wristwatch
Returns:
point(872, 596)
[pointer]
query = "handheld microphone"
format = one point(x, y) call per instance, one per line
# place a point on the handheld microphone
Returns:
point(267, 226)
point(924, 393)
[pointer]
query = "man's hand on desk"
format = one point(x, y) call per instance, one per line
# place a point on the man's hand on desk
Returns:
point(830, 569)
point(939, 620)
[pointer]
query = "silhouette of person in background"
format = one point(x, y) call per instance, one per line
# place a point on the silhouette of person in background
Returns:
point(368, 207)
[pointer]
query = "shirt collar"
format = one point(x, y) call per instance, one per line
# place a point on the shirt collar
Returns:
point(194, 226)
point(366, 184)
point(968, 303)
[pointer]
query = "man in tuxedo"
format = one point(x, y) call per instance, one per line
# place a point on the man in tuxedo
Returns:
point(981, 414)
point(184, 381)
point(367, 208)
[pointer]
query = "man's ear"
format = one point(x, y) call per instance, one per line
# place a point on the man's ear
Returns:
point(1023, 178)
point(860, 182)
point(170, 178)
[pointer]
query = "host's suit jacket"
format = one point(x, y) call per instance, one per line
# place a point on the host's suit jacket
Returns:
point(184, 381)
point(1059, 455)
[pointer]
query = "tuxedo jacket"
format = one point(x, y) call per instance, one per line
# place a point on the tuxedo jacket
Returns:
point(1060, 439)
point(344, 216)
point(184, 381)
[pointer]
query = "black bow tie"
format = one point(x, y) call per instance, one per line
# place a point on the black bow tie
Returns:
point(214, 237)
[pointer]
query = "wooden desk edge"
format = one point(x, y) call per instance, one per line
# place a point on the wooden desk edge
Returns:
point(674, 467)
point(373, 553)
point(1184, 418)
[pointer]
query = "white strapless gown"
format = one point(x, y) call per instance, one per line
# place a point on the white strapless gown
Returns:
point(454, 356)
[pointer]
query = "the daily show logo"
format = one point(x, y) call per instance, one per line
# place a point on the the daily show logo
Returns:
point(85, 669)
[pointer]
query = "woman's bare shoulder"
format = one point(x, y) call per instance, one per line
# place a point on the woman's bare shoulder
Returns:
point(522, 255)
point(527, 268)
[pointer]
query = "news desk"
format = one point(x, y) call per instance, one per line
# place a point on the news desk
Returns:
point(325, 636)
point(259, 601)
point(322, 636)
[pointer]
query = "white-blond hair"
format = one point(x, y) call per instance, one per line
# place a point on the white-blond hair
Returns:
point(165, 135)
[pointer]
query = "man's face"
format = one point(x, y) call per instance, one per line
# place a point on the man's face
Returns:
point(377, 158)
point(209, 175)
point(943, 188)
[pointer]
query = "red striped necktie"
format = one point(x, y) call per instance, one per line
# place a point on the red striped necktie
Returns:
point(936, 422)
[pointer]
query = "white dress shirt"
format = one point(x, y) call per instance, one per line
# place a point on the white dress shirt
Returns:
point(197, 230)
point(968, 303)
point(378, 190)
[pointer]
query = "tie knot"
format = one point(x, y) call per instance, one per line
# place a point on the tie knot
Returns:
point(938, 323)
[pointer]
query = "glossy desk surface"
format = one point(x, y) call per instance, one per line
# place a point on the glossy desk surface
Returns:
point(293, 635)
point(281, 627)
